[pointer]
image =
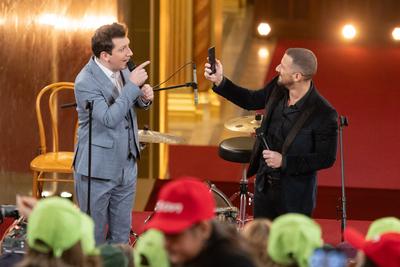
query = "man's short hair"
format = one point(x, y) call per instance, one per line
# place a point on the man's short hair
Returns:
point(305, 60)
point(102, 38)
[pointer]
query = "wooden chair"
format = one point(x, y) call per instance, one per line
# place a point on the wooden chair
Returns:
point(55, 161)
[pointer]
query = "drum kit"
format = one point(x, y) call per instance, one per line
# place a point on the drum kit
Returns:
point(148, 136)
point(225, 210)
point(244, 124)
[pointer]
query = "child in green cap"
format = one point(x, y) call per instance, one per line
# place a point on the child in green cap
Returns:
point(59, 234)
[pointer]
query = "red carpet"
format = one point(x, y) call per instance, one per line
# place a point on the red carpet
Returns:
point(331, 229)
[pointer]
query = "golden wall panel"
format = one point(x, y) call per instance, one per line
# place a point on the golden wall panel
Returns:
point(42, 41)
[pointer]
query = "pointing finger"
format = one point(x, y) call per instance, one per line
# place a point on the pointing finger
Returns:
point(143, 65)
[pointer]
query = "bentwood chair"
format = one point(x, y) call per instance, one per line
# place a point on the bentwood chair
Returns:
point(48, 165)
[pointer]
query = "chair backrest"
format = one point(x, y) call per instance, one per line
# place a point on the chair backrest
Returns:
point(53, 91)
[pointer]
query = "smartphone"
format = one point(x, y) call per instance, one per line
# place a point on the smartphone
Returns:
point(324, 257)
point(211, 58)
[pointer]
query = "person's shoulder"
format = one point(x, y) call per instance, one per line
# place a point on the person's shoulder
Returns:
point(323, 104)
point(85, 76)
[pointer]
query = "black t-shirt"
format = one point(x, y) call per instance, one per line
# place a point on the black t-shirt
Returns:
point(282, 120)
point(223, 249)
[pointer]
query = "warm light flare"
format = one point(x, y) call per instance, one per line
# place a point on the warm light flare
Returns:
point(263, 29)
point(349, 31)
point(88, 22)
point(46, 194)
point(263, 53)
point(396, 34)
point(65, 194)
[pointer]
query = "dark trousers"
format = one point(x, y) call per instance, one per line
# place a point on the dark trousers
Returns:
point(269, 200)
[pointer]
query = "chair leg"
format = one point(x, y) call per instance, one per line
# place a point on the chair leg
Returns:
point(35, 184)
point(40, 185)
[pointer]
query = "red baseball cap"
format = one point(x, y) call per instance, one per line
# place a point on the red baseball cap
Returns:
point(383, 250)
point(182, 203)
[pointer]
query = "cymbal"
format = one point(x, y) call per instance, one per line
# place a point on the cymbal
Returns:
point(148, 136)
point(244, 124)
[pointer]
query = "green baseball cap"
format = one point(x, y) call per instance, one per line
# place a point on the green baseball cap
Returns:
point(383, 225)
point(56, 224)
point(150, 250)
point(293, 238)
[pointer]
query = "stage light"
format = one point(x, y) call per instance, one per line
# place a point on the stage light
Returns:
point(46, 194)
point(66, 195)
point(396, 34)
point(263, 53)
point(93, 22)
point(88, 22)
point(349, 31)
point(263, 29)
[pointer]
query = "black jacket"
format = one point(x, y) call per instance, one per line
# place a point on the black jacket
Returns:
point(313, 147)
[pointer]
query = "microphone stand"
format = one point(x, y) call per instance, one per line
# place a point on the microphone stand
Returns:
point(89, 106)
point(189, 84)
point(343, 122)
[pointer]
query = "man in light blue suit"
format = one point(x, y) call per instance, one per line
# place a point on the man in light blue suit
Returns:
point(115, 92)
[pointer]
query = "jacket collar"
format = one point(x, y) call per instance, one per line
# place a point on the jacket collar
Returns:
point(106, 85)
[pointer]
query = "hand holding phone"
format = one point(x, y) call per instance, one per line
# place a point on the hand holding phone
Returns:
point(211, 59)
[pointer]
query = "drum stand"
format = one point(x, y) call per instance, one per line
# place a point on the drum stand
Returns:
point(245, 197)
point(239, 150)
point(133, 236)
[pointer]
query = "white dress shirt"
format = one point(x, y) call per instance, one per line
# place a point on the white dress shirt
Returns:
point(115, 77)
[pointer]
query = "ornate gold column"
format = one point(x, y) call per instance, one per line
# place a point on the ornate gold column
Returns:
point(175, 41)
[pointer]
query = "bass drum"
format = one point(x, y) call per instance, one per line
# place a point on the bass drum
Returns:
point(225, 211)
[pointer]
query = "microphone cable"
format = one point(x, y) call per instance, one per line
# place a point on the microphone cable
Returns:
point(172, 75)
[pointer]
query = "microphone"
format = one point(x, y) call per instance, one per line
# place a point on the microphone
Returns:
point(194, 85)
point(260, 135)
point(68, 105)
point(131, 65)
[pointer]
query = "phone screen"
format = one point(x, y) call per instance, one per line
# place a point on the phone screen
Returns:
point(328, 258)
point(211, 58)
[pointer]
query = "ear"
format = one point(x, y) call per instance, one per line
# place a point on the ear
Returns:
point(205, 229)
point(105, 56)
point(298, 76)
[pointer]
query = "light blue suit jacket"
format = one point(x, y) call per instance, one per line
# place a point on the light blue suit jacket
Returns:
point(113, 126)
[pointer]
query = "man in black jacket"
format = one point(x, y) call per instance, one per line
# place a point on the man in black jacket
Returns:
point(300, 129)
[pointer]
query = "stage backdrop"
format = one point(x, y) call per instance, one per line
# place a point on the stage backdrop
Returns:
point(42, 42)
